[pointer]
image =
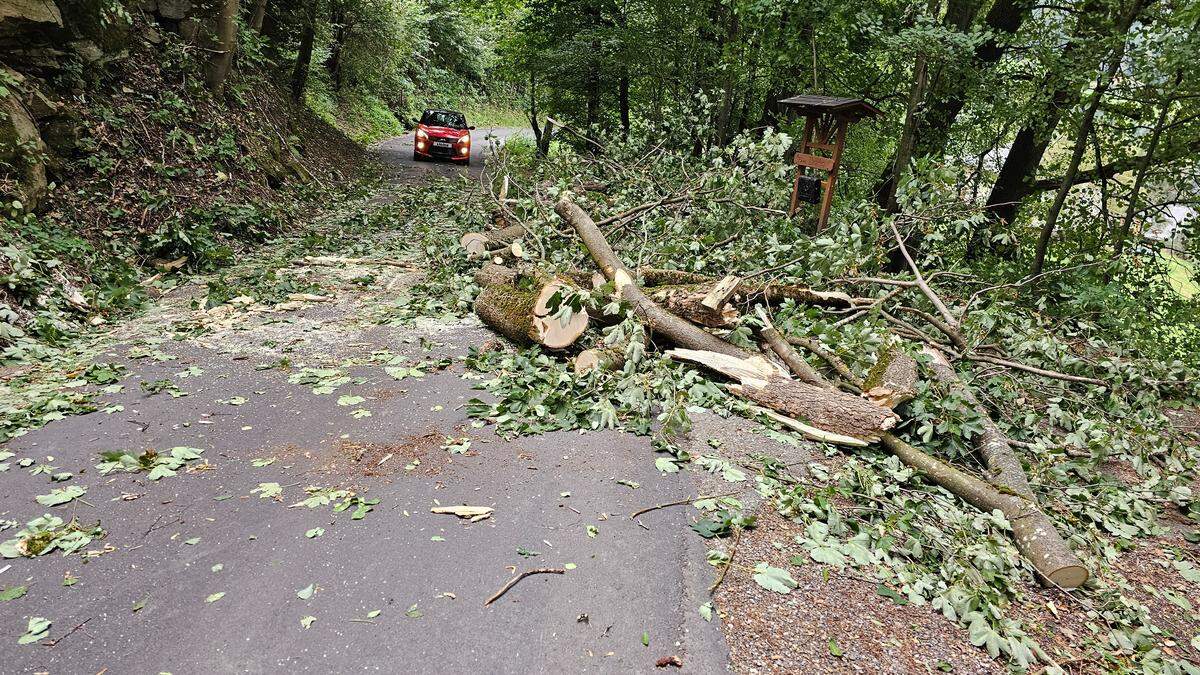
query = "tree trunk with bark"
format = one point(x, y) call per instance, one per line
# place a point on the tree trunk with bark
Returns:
point(304, 54)
point(221, 55)
point(1082, 136)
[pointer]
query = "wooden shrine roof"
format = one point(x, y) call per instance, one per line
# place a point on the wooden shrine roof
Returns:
point(852, 108)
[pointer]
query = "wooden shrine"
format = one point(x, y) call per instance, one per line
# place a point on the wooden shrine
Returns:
point(826, 119)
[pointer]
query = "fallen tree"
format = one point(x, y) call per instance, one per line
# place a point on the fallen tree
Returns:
point(817, 407)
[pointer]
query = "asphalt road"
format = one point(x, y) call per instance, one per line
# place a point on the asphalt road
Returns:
point(145, 600)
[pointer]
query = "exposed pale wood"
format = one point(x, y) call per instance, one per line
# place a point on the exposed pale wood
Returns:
point(813, 432)
point(720, 294)
point(737, 368)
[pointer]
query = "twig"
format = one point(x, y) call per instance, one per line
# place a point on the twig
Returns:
point(680, 502)
point(737, 537)
point(513, 582)
point(1053, 374)
point(924, 286)
point(68, 634)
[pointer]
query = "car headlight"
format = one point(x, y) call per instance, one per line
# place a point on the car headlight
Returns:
point(421, 134)
point(465, 139)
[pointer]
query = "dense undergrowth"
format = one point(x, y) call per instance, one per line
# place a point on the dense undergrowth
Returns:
point(1111, 466)
point(162, 181)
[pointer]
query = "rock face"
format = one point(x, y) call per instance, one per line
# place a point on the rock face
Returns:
point(22, 153)
point(14, 13)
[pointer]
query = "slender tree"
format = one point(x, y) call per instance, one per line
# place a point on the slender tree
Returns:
point(304, 54)
point(221, 55)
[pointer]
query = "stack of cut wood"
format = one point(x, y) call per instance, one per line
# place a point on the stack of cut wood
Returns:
point(682, 308)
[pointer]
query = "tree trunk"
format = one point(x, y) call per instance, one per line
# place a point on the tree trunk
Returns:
point(258, 15)
point(1024, 157)
point(826, 409)
point(337, 21)
point(1081, 139)
point(1122, 233)
point(510, 311)
point(304, 55)
point(1035, 535)
point(623, 101)
point(222, 52)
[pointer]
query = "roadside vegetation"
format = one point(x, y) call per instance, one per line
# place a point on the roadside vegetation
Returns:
point(989, 370)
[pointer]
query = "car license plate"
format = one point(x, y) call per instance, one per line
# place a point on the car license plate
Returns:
point(440, 144)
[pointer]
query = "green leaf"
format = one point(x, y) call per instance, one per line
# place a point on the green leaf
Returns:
point(706, 611)
point(12, 593)
point(522, 551)
point(891, 595)
point(307, 621)
point(413, 612)
point(374, 613)
point(61, 495)
point(262, 461)
point(141, 604)
point(193, 541)
point(828, 555)
point(834, 649)
point(217, 568)
point(646, 638)
point(315, 532)
point(666, 465)
point(268, 490)
point(36, 630)
point(774, 578)
point(214, 597)
point(437, 538)
point(346, 400)
point(592, 531)
point(306, 593)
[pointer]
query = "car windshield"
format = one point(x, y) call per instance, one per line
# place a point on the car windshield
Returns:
point(444, 118)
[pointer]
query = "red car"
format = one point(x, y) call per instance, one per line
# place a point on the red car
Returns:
point(443, 134)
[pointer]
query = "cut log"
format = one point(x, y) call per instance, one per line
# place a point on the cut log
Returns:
point(656, 319)
point(541, 305)
point(491, 274)
point(749, 292)
point(508, 310)
point(893, 378)
point(827, 409)
point(813, 432)
point(688, 303)
point(603, 359)
point(478, 244)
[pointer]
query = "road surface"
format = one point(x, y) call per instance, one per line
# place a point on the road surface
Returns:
point(211, 571)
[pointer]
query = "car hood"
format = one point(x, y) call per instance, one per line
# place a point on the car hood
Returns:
point(444, 132)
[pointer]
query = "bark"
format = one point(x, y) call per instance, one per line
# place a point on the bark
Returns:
point(1081, 139)
point(258, 15)
point(1035, 535)
point(657, 320)
point(304, 54)
point(784, 351)
point(826, 409)
point(491, 274)
point(623, 101)
point(222, 53)
point(893, 379)
point(509, 310)
point(688, 303)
